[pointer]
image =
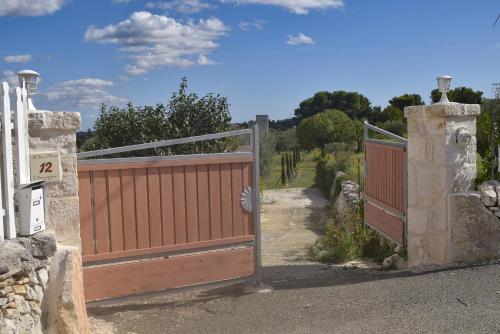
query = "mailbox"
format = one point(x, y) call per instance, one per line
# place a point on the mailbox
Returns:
point(31, 208)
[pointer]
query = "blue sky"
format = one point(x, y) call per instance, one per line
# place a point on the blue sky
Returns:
point(266, 56)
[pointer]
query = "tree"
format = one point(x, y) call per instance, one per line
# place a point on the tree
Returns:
point(460, 95)
point(406, 100)
point(289, 173)
point(185, 115)
point(285, 140)
point(355, 105)
point(283, 170)
point(326, 127)
point(390, 113)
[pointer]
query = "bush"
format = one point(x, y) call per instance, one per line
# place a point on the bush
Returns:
point(327, 167)
point(482, 165)
point(285, 140)
point(266, 153)
point(325, 173)
point(338, 147)
point(350, 241)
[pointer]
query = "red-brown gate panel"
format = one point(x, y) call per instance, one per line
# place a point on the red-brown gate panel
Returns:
point(135, 214)
point(385, 188)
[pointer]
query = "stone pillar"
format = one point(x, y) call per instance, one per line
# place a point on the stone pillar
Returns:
point(56, 131)
point(441, 164)
point(263, 122)
point(64, 303)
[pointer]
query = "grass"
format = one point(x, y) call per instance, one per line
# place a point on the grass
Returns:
point(304, 178)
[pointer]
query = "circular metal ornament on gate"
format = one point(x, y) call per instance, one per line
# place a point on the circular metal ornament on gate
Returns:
point(246, 199)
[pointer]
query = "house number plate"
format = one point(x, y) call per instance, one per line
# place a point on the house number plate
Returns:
point(45, 167)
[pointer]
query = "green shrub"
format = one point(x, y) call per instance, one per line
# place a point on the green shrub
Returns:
point(483, 167)
point(352, 240)
point(325, 173)
point(338, 147)
point(266, 153)
point(285, 140)
point(327, 167)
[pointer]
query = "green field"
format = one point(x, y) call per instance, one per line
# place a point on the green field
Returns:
point(304, 178)
point(307, 171)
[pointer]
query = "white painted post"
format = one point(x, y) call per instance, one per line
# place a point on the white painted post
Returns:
point(2, 211)
point(22, 139)
point(8, 172)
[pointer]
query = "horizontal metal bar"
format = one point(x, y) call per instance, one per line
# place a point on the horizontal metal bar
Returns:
point(384, 132)
point(163, 143)
point(385, 142)
point(164, 158)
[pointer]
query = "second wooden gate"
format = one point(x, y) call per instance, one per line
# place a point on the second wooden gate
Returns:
point(155, 223)
point(385, 184)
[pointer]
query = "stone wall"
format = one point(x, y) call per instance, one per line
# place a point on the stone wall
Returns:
point(56, 131)
point(64, 304)
point(24, 275)
point(347, 200)
point(446, 221)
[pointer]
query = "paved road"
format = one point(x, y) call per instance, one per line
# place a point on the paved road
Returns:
point(322, 299)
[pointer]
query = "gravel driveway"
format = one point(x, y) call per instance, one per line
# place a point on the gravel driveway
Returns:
point(292, 220)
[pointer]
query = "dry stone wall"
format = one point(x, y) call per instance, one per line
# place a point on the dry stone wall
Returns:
point(490, 192)
point(24, 276)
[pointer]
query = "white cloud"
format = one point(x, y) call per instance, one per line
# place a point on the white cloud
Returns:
point(181, 6)
point(295, 6)
point(17, 59)
point(299, 39)
point(29, 7)
point(11, 78)
point(156, 41)
point(87, 92)
point(204, 60)
point(257, 24)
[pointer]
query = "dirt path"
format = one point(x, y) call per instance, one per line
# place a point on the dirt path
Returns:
point(292, 220)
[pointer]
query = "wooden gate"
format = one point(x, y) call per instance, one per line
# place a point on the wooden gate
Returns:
point(156, 223)
point(385, 184)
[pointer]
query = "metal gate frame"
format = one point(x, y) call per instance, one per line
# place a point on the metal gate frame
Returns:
point(385, 208)
point(255, 241)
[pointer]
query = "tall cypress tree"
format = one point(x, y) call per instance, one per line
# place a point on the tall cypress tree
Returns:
point(288, 167)
point(283, 170)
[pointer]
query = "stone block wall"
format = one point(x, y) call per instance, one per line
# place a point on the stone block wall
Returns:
point(63, 308)
point(56, 131)
point(24, 276)
point(446, 221)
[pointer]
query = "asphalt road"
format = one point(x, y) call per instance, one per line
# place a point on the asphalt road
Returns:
point(322, 299)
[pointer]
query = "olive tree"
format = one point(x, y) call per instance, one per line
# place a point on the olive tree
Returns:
point(323, 128)
point(185, 115)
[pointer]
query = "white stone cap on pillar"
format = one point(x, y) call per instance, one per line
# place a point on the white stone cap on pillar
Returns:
point(443, 110)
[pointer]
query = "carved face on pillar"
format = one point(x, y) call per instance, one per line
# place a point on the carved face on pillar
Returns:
point(463, 137)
